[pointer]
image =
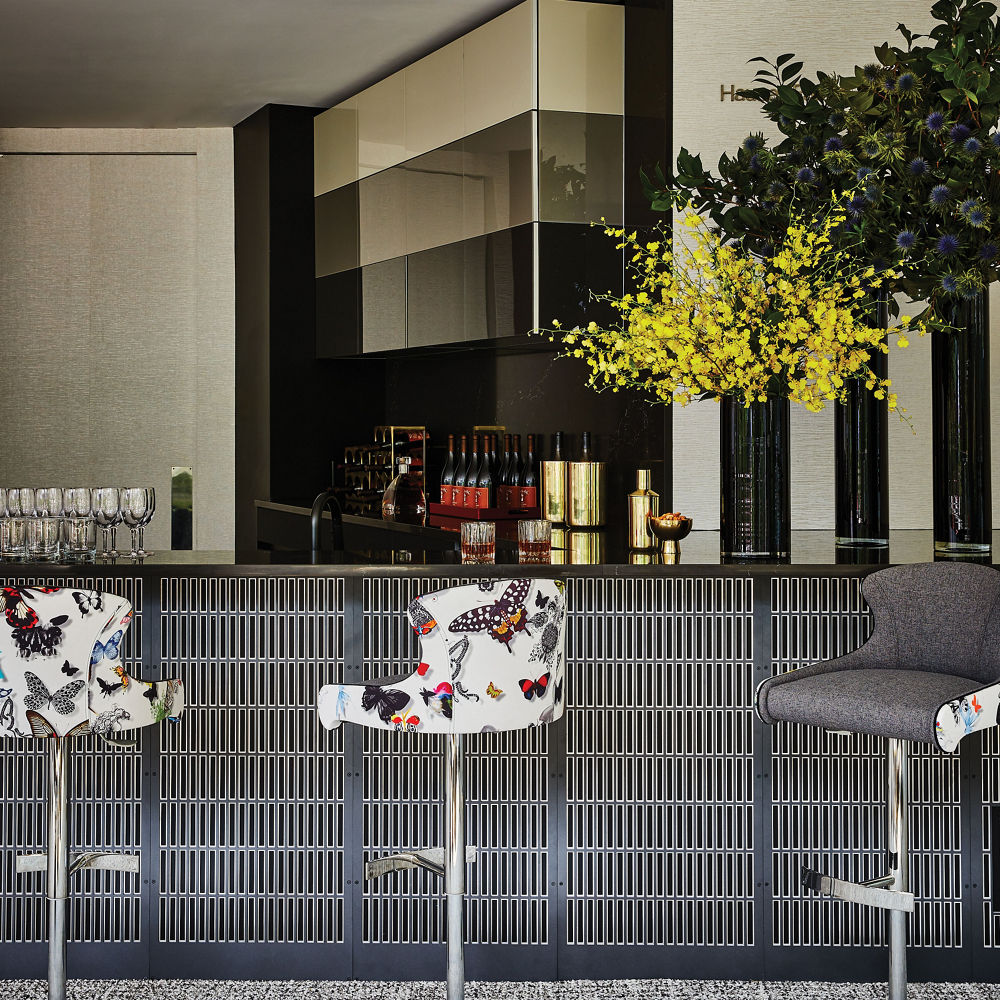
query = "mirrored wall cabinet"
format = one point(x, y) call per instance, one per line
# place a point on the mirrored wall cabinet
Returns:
point(454, 199)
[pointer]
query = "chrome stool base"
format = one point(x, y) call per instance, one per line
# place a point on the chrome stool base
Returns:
point(890, 892)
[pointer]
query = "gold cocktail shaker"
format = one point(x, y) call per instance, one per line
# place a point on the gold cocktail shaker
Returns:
point(642, 503)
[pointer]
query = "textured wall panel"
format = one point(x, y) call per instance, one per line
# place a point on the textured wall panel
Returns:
point(105, 813)
point(828, 795)
point(659, 789)
point(251, 813)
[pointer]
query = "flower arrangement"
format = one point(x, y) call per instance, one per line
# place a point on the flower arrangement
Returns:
point(713, 319)
point(911, 142)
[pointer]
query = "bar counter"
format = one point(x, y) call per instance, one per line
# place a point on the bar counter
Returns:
point(656, 831)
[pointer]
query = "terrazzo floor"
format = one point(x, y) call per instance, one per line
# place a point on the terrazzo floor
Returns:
point(627, 989)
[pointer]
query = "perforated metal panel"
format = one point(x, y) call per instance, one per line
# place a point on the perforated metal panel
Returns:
point(251, 811)
point(507, 813)
point(989, 862)
point(105, 813)
point(659, 780)
point(828, 794)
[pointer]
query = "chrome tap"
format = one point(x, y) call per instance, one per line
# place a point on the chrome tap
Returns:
point(327, 499)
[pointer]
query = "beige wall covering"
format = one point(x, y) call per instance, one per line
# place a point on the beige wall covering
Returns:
point(712, 42)
point(117, 315)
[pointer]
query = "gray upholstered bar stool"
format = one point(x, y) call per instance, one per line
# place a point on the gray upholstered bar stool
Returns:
point(61, 676)
point(929, 673)
point(492, 659)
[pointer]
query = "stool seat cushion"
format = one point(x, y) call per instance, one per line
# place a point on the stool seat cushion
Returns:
point(492, 660)
point(897, 704)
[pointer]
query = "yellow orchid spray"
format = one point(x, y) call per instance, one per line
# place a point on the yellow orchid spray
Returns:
point(713, 320)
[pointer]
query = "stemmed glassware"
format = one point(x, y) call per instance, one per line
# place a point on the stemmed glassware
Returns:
point(20, 502)
point(106, 502)
point(49, 502)
point(138, 505)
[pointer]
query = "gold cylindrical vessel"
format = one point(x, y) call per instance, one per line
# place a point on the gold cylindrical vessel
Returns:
point(554, 491)
point(587, 494)
point(586, 547)
point(642, 503)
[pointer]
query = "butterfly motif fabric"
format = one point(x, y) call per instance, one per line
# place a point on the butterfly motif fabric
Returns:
point(63, 672)
point(476, 642)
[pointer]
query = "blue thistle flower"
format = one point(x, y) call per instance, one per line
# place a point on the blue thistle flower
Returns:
point(905, 239)
point(978, 217)
point(805, 176)
point(755, 164)
point(935, 121)
point(988, 251)
point(995, 139)
point(967, 206)
point(918, 166)
point(837, 120)
point(862, 172)
point(948, 245)
point(870, 147)
point(873, 193)
point(872, 72)
point(809, 143)
point(832, 145)
point(889, 86)
point(906, 83)
point(752, 143)
point(856, 206)
point(949, 284)
point(940, 195)
point(776, 189)
point(959, 132)
point(972, 146)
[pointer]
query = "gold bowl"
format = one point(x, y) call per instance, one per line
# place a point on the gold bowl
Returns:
point(669, 527)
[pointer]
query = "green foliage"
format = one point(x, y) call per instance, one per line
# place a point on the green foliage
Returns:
point(910, 138)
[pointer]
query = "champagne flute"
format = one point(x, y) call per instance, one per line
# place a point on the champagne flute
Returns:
point(108, 514)
point(136, 512)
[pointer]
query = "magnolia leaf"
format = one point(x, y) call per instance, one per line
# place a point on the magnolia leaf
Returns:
point(759, 59)
point(949, 94)
point(971, 96)
point(789, 72)
point(781, 60)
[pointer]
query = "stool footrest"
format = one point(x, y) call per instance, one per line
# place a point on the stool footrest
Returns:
point(430, 858)
point(869, 894)
point(112, 861)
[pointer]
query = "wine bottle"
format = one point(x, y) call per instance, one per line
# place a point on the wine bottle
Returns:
point(528, 496)
point(503, 493)
point(585, 453)
point(469, 490)
point(557, 446)
point(448, 472)
point(461, 472)
point(493, 453)
point(486, 490)
point(514, 472)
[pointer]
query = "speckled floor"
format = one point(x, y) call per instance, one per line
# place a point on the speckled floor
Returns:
point(629, 989)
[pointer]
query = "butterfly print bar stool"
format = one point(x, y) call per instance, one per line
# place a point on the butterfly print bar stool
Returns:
point(930, 673)
point(491, 659)
point(61, 676)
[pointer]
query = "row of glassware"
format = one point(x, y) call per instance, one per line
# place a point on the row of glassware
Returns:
point(42, 525)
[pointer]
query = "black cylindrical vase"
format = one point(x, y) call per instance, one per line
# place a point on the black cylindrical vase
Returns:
point(756, 505)
point(861, 456)
point(960, 378)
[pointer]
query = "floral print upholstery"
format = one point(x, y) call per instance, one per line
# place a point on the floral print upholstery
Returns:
point(492, 659)
point(61, 672)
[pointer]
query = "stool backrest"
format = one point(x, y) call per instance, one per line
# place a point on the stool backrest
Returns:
point(50, 641)
point(492, 654)
point(942, 617)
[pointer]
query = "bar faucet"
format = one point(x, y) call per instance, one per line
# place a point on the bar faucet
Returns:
point(324, 500)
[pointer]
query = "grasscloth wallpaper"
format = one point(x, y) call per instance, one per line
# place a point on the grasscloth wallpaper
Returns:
point(712, 42)
point(117, 315)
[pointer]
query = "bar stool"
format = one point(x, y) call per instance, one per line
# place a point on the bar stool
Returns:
point(61, 676)
point(492, 659)
point(930, 673)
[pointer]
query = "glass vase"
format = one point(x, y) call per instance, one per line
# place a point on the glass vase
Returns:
point(756, 506)
point(861, 450)
point(960, 379)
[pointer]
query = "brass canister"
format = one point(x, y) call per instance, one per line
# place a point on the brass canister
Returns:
point(587, 494)
point(642, 503)
point(554, 492)
point(586, 548)
point(560, 537)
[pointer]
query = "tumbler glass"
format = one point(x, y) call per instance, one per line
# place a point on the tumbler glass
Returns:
point(479, 539)
point(42, 535)
point(12, 538)
point(79, 538)
point(534, 541)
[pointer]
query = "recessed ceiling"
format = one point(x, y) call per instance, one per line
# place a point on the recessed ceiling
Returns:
point(187, 63)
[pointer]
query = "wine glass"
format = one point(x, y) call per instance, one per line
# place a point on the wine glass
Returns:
point(20, 502)
point(77, 502)
point(147, 517)
point(106, 501)
point(137, 510)
point(49, 502)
